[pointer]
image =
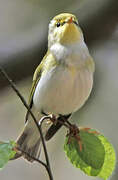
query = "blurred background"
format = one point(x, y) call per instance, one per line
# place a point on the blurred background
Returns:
point(23, 42)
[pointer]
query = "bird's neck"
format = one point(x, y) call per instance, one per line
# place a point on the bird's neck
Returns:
point(69, 54)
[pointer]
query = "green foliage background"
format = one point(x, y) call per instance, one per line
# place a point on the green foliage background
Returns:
point(97, 157)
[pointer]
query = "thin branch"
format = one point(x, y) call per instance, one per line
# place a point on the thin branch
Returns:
point(35, 121)
point(35, 159)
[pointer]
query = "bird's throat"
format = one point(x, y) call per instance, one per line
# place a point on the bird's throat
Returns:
point(70, 34)
point(70, 54)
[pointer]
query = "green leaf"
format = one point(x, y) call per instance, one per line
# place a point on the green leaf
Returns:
point(6, 152)
point(97, 157)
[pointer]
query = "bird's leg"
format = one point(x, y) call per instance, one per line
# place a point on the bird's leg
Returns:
point(73, 129)
point(58, 122)
point(62, 120)
point(49, 118)
point(74, 132)
point(53, 119)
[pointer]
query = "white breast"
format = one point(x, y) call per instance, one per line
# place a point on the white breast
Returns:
point(60, 92)
point(63, 52)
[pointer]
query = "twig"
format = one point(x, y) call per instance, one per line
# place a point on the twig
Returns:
point(37, 160)
point(35, 121)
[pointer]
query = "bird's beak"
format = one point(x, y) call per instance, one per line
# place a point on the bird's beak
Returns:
point(70, 20)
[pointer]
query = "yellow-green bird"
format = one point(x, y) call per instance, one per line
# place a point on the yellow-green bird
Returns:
point(62, 82)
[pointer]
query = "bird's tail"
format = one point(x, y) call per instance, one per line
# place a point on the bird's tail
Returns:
point(28, 143)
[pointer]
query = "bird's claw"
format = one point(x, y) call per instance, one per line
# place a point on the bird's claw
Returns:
point(53, 119)
point(74, 132)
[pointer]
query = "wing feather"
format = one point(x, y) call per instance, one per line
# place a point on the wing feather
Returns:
point(46, 64)
point(36, 78)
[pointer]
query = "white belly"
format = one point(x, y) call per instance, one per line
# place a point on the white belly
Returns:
point(61, 92)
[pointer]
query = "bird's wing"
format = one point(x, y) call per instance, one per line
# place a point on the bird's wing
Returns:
point(36, 78)
point(46, 64)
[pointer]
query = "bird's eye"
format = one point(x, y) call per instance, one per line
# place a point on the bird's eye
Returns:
point(63, 23)
point(75, 22)
point(58, 24)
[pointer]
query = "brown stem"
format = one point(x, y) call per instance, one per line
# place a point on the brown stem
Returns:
point(35, 121)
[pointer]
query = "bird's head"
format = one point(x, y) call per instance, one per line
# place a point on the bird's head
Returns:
point(64, 29)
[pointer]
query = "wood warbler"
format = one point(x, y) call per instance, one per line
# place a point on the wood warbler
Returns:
point(61, 84)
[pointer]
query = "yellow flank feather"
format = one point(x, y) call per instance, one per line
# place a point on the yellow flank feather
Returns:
point(49, 63)
point(46, 64)
point(73, 70)
point(90, 65)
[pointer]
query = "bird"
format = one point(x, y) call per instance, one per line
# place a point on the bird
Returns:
point(62, 82)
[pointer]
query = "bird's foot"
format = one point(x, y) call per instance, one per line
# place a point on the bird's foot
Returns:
point(74, 132)
point(53, 119)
